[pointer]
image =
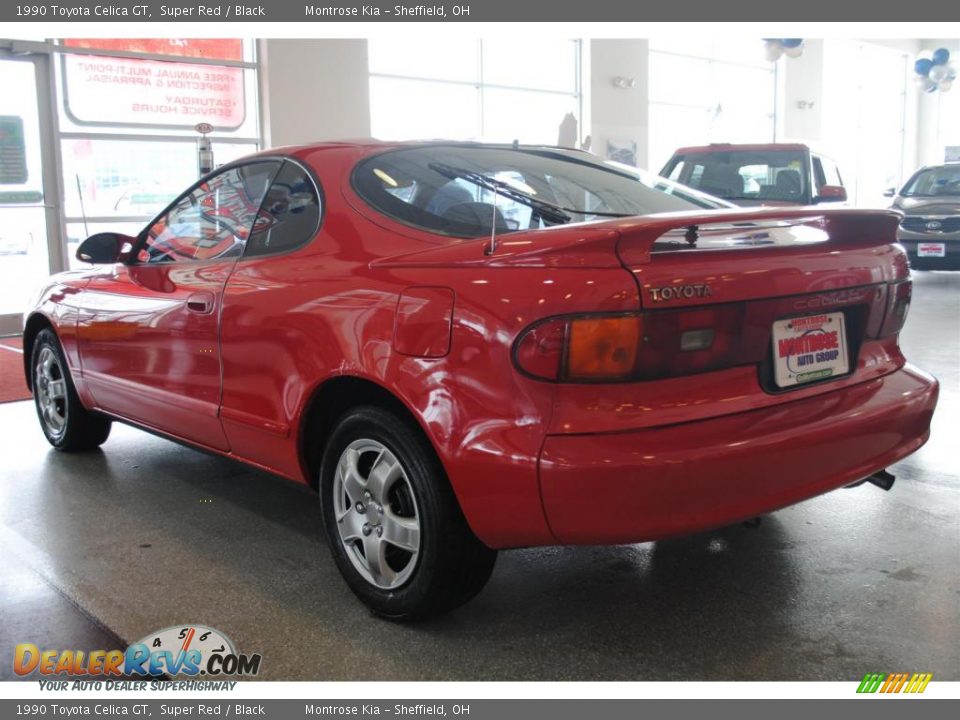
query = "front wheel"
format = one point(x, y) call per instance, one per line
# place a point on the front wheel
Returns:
point(65, 422)
point(394, 526)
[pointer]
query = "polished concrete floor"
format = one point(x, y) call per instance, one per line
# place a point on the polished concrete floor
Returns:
point(105, 547)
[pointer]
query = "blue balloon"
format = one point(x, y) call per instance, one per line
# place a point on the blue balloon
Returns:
point(941, 56)
point(922, 66)
point(791, 42)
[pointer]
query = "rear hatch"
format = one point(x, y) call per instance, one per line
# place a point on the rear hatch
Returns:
point(796, 292)
point(747, 309)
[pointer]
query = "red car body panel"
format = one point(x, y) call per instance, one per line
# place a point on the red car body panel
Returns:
point(230, 355)
point(675, 479)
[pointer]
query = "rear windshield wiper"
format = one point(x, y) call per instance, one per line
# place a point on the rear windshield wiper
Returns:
point(547, 210)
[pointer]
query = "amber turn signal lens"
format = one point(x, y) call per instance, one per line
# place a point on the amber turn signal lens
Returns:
point(602, 347)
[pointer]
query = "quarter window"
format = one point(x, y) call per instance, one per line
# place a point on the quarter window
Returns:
point(213, 221)
point(290, 213)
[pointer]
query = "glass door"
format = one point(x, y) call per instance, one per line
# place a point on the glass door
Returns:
point(28, 210)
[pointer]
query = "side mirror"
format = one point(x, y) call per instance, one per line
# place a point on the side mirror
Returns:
point(890, 192)
point(832, 193)
point(104, 248)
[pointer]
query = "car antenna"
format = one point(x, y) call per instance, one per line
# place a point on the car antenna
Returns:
point(83, 210)
point(492, 247)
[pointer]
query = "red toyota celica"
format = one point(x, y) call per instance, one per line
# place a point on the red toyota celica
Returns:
point(466, 348)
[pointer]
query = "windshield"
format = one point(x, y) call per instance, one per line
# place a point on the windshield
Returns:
point(744, 175)
point(934, 182)
point(465, 191)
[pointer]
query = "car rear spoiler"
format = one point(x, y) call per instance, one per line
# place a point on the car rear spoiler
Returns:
point(609, 243)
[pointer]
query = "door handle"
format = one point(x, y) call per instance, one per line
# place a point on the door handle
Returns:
point(200, 302)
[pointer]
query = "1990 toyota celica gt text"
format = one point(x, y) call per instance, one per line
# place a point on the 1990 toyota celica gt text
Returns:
point(468, 348)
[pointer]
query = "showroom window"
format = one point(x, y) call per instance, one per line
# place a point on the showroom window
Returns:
point(493, 90)
point(864, 116)
point(709, 92)
point(948, 124)
point(127, 112)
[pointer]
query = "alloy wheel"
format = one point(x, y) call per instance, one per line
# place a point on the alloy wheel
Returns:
point(376, 513)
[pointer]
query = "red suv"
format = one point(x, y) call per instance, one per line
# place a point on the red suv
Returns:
point(765, 174)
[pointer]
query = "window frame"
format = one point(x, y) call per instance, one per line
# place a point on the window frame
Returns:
point(321, 210)
point(142, 237)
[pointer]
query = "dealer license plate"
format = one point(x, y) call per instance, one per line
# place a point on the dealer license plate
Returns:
point(809, 348)
point(931, 250)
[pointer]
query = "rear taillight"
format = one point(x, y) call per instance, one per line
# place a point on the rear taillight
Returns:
point(602, 348)
point(634, 346)
point(681, 342)
point(539, 351)
point(898, 304)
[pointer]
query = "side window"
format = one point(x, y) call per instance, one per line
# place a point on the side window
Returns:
point(674, 173)
point(818, 175)
point(830, 172)
point(289, 216)
point(213, 221)
point(696, 175)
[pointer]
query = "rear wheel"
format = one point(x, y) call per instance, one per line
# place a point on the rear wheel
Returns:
point(395, 529)
point(67, 425)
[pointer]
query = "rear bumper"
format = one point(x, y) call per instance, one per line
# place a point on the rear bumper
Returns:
point(655, 483)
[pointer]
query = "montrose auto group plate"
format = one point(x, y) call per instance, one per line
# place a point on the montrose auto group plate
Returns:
point(809, 348)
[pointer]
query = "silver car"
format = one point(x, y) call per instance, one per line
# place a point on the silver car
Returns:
point(930, 229)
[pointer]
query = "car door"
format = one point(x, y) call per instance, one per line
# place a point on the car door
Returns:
point(149, 327)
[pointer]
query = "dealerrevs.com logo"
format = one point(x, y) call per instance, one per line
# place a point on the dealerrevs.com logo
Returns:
point(179, 650)
point(894, 682)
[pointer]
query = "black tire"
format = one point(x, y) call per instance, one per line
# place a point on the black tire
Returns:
point(450, 566)
point(66, 423)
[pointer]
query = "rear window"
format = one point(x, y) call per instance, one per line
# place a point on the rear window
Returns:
point(744, 175)
point(934, 182)
point(465, 191)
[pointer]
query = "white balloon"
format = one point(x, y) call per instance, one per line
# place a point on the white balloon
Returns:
point(793, 52)
point(945, 85)
point(774, 50)
point(924, 83)
point(951, 72)
point(939, 73)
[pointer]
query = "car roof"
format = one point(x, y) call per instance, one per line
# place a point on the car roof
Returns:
point(950, 163)
point(747, 147)
point(374, 142)
point(374, 145)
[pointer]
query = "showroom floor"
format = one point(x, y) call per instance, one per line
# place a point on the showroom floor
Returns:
point(105, 547)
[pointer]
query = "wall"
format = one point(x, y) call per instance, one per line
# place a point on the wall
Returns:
point(619, 113)
point(314, 90)
point(939, 113)
point(802, 108)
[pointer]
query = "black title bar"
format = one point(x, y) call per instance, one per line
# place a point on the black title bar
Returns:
point(321, 11)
